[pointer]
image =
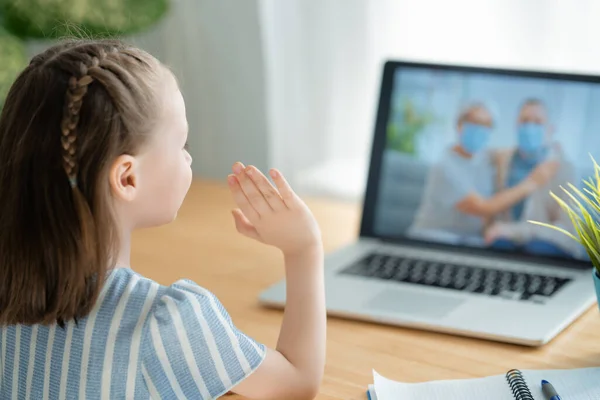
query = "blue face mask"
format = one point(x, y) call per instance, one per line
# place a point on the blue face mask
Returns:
point(531, 137)
point(474, 138)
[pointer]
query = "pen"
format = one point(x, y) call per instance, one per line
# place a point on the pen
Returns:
point(549, 391)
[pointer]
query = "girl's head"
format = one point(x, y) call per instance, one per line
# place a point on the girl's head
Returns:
point(92, 146)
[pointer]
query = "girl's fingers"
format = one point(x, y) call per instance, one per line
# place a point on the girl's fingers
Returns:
point(237, 168)
point(253, 194)
point(240, 199)
point(286, 192)
point(270, 194)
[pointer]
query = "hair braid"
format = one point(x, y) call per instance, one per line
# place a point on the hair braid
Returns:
point(77, 89)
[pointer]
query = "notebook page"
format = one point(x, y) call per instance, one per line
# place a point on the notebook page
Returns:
point(571, 384)
point(489, 388)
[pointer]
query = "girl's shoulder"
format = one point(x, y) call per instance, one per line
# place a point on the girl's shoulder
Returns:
point(127, 287)
point(187, 330)
point(120, 279)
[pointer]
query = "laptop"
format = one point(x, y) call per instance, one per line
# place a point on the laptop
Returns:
point(424, 261)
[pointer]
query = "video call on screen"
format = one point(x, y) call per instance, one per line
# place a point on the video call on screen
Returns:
point(456, 141)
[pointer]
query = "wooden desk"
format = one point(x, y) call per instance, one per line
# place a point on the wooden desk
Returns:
point(203, 245)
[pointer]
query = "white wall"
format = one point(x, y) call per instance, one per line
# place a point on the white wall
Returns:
point(213, 47)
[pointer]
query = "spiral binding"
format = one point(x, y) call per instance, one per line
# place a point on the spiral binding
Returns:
point(518, 385)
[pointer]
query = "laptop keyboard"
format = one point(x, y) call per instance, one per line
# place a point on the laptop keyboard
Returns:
point(467, 278)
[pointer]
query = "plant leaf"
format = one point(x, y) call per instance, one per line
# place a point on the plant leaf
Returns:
point(586, 212)
point(594, 236)
point(582, 209)
point(585, 198)
point(596, 173)
point(585, 226)
point(556, 228)
point(592, 252)
point(576, 221)
point(582, 206)
point(593, 196)
point(572, 214)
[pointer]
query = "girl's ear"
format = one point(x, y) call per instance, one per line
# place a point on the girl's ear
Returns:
point(123, 178)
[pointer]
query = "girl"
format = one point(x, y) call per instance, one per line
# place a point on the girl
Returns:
point(92, 146)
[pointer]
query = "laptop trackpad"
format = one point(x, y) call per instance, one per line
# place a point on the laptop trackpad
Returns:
point(422, 304)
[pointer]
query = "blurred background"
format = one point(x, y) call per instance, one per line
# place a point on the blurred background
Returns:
point(293, 84)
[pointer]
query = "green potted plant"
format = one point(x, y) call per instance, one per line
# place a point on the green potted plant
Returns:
point(49, 19)
point(23, 22)
point(584, 212)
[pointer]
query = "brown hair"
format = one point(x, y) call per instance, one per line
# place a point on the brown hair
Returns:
point(76, 108)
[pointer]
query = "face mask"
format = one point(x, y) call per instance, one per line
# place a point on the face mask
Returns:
point(474, 137)
point(531, 137)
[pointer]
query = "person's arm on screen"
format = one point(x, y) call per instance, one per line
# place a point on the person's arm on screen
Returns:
point(278, 217)
point(477, 205)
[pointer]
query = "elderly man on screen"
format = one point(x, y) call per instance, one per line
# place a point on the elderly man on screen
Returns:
point(511, 228)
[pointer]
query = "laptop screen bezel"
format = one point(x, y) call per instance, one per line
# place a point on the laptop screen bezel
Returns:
point(378, 146)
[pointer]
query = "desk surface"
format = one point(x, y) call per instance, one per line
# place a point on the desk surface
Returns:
point(202, 245)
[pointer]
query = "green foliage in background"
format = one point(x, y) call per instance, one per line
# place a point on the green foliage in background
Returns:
point(21, 20)
point(583, 212)
point(403, 136)
point(12, 54)
point(56, 18)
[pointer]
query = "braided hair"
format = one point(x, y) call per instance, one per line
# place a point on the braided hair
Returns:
point(59, 236)
point(77, 89)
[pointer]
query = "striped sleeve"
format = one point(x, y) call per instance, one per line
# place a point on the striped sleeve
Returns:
point(191, 348)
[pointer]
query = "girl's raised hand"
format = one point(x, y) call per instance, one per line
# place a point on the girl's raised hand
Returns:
point(272, 215)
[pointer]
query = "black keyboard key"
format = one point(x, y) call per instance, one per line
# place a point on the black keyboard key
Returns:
point(548, 287)
point(525, 296)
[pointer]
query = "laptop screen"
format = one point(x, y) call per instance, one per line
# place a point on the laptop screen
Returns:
point(469, 157)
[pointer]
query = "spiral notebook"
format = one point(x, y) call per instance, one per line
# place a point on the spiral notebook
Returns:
point(572, 384)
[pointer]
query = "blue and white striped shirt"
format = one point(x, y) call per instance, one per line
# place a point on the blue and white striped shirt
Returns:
point(142, 340)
